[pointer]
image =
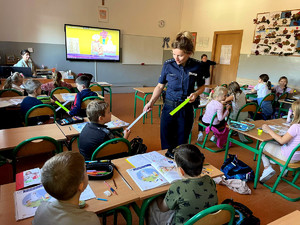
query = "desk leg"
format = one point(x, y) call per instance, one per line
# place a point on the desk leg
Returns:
point(257, 147)
point(260, 150)
point(227, 144)
point(135, 97)
point(144, 103)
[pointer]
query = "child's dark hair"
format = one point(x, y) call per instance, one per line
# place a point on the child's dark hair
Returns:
point(203, 56)
point(56, 76)
point(281, 78)
point(234, 88)
point(83, 80)
point(265, 78)
point(24, 51)
point(190, 159)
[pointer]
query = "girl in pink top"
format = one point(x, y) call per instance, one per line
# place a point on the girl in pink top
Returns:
point(282, 147)
point(214, 105)
point(56, 76)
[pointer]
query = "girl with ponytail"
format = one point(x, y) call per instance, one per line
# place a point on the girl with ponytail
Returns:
point(57, 82)
point(14, 82)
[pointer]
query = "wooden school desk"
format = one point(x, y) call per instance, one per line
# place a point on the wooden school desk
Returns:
point(292, 219)
point(263, 138)
point(10, 138)
point(8, 101)
point(123, 165)
point(124, 197)
point(60, 98)
point(69, 131)
point(144, 91)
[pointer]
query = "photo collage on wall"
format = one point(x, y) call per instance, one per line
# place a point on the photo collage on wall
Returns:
point(277, 33)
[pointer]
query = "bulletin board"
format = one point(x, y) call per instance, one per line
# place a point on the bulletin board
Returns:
point(277, 33)
point(145, 50)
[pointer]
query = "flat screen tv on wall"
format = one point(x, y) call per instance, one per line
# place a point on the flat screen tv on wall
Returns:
point(92, 43)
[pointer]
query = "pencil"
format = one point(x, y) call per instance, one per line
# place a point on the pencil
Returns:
point(111, 189)
point(125, 181)
point(115, 184)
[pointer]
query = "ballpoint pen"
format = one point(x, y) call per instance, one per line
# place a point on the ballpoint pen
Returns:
point(115, 184)
point(111, 189)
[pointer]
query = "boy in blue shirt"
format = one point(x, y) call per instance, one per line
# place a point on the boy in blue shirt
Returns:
point(186, 197)
point(82, 84)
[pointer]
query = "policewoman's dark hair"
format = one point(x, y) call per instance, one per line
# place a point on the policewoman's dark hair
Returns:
point(265, 78)
point(183, 41)
point(23, 52)
point(190, 159)
point(204, 55)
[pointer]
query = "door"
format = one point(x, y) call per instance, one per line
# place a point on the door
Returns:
point(226, 53)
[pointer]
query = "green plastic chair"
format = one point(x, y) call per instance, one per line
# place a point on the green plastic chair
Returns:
point(281, 109)
point(206, 136)
point(34, 146)
point(40, 110)
point(224, 85)
point(96, 87)
point(115, 146)
point(87, 100)
point(244, 87)
point(59, 90)
point(125, 211)
point(294, 167)
point(215, 215)
point(268, 97)
point(141, 212)
point(9, 93)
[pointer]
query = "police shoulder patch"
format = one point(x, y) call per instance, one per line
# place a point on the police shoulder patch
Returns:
point(170, 61)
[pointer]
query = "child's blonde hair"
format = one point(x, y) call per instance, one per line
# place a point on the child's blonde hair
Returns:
point(95, 109)
point(14, 78)
point(296, 111)
point(219, 90)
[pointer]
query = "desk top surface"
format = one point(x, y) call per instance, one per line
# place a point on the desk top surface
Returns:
point(10, 138)
point(292, 218)
point(123, 165)
point(144, 90)
point(258, 124)
point(125, 196)
point(61, 99)
point(102, 84)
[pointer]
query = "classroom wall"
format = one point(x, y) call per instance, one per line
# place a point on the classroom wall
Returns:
point(40, 24)
point(206, 17)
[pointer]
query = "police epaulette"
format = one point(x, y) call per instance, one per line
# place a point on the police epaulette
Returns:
point(196, 60)
point(170, 60)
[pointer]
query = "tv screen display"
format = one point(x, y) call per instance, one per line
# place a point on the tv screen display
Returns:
point(92, 43)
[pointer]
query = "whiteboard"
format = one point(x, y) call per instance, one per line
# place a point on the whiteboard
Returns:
point(142, 49)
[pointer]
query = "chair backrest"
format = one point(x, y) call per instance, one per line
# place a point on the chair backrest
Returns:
point(245, 86)
point(218, 214)
point(212, 120)
point(40, 110)
point(249, 107)
point(112, 147)
point(96, 87)
point(9, 93)
point(224, 85)
point(87, 100)
point(35, 146)
point(59, 90)
point(268, 97)
point(283, 96)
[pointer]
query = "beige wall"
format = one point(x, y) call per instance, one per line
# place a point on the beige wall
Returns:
point(207, 16)
point(42, 21)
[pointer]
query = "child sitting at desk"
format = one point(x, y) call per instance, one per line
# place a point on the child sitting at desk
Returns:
point(215, 105)
point(14, 81)
point(57, 82)
point(82, 84)
point(282, 87)
point(188, 196)
point(96, 133)
point(282, 147)
point(64, 177)
point(33, 88)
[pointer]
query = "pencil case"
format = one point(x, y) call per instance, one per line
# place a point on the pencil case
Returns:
point(242, 125)
point(70, 120)
point(99, 169)
point(44, 99)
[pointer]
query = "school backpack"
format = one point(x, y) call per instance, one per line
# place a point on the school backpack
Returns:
point(243, 215)
point(233, 168)
point(137, 146)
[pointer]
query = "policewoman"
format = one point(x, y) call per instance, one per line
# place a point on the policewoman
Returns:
point(180, 74)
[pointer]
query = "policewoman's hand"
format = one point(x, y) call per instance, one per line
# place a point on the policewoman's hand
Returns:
point(148, 107)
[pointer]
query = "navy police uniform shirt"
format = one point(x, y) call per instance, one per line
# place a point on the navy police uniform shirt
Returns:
point(181, 79)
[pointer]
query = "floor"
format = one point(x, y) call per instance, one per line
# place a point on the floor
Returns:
point(264, 204)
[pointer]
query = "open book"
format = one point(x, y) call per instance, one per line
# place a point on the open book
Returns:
point(152, 170)
point(28, 178)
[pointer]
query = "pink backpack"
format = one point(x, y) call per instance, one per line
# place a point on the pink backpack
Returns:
point(220, 135)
